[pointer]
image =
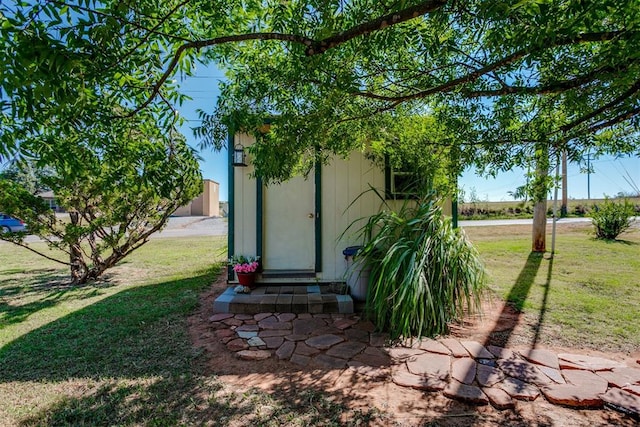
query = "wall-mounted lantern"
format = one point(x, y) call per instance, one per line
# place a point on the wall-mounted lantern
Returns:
point(239, 156)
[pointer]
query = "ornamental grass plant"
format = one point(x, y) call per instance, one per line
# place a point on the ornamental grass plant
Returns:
point(424, 273)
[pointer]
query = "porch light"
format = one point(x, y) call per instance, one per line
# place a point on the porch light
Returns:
point(239, 156)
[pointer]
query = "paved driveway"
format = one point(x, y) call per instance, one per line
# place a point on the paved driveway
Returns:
point(190, 226)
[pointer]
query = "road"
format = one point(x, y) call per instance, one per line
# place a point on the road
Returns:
point(525, 221)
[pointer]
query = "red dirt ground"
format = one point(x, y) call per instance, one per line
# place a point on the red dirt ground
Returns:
point(401, 406)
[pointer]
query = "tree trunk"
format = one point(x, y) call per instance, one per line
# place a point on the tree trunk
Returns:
point(539, 241)
point(540, 189)
point(78, 265)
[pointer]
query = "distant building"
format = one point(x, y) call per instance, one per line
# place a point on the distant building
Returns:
point(50, 199)
point(206, 204)
point(224, 209)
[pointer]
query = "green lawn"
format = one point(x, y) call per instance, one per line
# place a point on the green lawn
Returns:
point(118, 352)
point(587, 296)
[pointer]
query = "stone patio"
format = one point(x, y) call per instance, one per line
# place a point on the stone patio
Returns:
point(315, 299)
point(462, 370)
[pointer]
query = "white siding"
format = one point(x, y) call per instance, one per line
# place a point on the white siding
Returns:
point(345, 200)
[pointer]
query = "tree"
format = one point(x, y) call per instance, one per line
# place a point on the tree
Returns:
point(118, 190)
point(26, 174)
point(490, 71)
point(410, 144)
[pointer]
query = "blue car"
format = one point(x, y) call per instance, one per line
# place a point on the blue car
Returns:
point(9, 224)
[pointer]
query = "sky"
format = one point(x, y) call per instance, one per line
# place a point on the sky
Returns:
point(608, 177)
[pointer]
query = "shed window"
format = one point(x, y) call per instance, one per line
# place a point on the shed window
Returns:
point(400, 184)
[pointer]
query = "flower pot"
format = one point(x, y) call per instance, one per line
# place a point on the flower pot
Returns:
point(247, 279)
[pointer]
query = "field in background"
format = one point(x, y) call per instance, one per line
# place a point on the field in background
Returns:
point(515, 209)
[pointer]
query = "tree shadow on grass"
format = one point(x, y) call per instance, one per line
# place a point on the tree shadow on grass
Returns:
point(516, 299)
point(522, 286)
point(138, 331)
point(194, 400)
point(617, 242)
point(24, 282)
point(38, 290)
point(130, 357)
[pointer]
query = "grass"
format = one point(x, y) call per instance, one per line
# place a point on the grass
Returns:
point(586, 296)
point(118, 352)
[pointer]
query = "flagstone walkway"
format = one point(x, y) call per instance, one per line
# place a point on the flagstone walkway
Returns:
point(462, 370)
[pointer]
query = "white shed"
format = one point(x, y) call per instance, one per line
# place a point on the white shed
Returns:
point(295, 227)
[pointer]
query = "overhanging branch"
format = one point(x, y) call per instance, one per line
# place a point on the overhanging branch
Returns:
point(314, 47)
point(452, 85)
point(393, 18)
point(614, 121)
point(29, 248)
point(628, 93)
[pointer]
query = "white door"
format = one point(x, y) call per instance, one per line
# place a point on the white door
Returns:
point(289, 225)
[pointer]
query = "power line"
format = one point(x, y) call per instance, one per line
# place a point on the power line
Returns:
point(198, 90)
point(206, 77)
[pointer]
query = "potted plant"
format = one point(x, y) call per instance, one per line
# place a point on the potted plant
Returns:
point(245, 268)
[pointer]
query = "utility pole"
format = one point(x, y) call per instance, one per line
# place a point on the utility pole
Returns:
point(588, 176)
point(563, 207)
point(588, 158)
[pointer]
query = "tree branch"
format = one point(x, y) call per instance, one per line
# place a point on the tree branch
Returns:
point(632, 90)
point(509, 59)
point(393, 18)
point(199, 44)
point(314, 47)
point(118, 18)
point(450, 85)
point(26, 246)
point(556, 87)
point(615, 120)
point(154, 29)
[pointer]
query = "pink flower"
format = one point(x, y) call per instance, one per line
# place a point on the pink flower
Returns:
point(250, 267)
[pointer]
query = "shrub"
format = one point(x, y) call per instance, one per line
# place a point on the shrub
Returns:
point(611, 219)
point(424, 273)
point(580, 210)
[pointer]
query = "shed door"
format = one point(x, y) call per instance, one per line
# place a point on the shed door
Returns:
point(289, 225)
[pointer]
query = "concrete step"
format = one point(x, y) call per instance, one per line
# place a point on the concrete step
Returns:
point(297, 299)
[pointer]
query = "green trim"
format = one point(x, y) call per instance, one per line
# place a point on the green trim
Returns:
point(259, 216)
point(454, 197)
point(387, 178)
point(231, 198)
point(318, 219)
point(454, 212)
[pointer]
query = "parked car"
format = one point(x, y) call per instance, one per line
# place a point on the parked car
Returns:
point(9, 224)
